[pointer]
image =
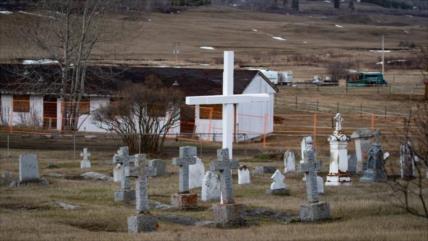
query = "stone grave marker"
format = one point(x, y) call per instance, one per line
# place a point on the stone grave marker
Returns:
point(313, 210)
point(210, 187)
point(407, 162)
point(125, 193)
point(375, 171)
point(85, 162)
point(362, 139)
point(278, 187)
point(196, 174)
point(158, 166)
point(289, 162)
point(28, 168)
point(184, 199)
point(143, 221)
point(244, 176)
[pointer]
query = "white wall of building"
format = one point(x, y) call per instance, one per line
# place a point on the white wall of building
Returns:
point(32, 118)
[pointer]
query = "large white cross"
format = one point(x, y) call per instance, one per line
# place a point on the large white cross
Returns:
point(228, 99)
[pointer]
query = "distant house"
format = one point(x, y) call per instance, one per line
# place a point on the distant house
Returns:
point(30, 96)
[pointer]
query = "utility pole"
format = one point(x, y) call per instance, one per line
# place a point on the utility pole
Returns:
point(383, 55)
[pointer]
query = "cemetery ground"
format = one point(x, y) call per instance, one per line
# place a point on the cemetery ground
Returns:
point(31, 212)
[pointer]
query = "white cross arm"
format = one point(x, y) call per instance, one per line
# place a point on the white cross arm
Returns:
point(221, 99)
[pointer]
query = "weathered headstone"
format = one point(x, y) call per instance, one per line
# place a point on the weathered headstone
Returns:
point(227, 213)
point(184, 199)
point(375, 171)
point(196, 174)
point(28, 168)
point(244, 175)
point(352, 163)
point(158, 166)
point(85, 162)
point(143, 221)
point(278, 187)
point(125, 193)
point(362, 139)
point(210, 187)
point(117, 172)
point(289, 162)
point(307, 142)
point(313, 210)
point(338, 172)
point(407, 162)
point(320, 187)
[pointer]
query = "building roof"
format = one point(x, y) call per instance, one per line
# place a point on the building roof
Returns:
point(106, 80)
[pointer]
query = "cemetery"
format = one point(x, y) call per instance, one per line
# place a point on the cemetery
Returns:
point(243, 159)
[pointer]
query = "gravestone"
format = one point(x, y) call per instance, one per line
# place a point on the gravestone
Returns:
point(278, 187)
point(352, 163)
point(362, 139)
point(143, 221)
point(196, 174)
point(117, 173)
point(210, 187)
point(289, 162)
point(338, 171)
point(320, 187)
point(184, 199)
point(314, 209)
point(307, 142)
point(125, 193)
point(227, 213)
point(85, 163)
point(244, 175)
point(375, 171)
point(28, 168)
point(158, 166)
point(407, 162)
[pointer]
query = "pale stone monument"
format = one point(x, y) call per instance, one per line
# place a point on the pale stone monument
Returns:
point(320, 187)
point(125, 193)
point(307, 142)
point(184, 199)
point(407, 162)
point(28, 168)
point(158, 166)
point(278, 187)
point(143, 221)
point(117, 173)
point(244, 176)
point(228, 100)
point(210, 187)
point(313, 210)
point(375, 171)
point(289, 162)
point(352, 163)
point(227, 213)
point(85, 163)
point(362, 139)
point(338, 172)
point(196, 174)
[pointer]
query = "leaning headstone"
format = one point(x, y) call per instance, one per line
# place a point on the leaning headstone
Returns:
point(184, 199)
point(196, 174)
point(407, 162)
point(227, 213)
point(125, 193)
point(338, 172)
point(289, 162)
point(117, 173)
point(143, 221)
point(28, 168)
point(362, 139)
point(158, 166)
point(352, 163)
point(278, 187)
point(313, 210)
point(244, 175)
point(265, 169)
point(210, 187)
point(375, 171)
point(85, 162)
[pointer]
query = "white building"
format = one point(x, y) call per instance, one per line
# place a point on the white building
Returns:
point(30, 97)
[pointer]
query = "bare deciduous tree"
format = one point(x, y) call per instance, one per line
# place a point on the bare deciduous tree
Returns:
point(143, 115)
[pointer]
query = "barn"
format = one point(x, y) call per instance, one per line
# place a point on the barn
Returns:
point(30, 97)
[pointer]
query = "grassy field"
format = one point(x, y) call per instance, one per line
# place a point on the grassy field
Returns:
point(360, 212)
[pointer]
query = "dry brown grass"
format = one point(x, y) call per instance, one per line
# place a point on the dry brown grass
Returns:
point(360, 212)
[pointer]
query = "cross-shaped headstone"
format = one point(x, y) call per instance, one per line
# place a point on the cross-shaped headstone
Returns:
point(309, 166)
point(142, 171)
point(85, 154)
point(187, 157)
point(228, 100)
point(224, 165)
point(123, 158)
